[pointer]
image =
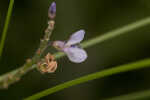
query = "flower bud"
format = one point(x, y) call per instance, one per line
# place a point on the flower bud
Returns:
point(52, 11)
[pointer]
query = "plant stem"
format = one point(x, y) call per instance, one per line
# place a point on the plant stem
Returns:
point(117, 32)
point(115, 70)
point(4, 33)
point(10, 77)
point(15, 75)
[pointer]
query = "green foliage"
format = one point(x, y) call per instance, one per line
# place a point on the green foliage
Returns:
point(5, 29)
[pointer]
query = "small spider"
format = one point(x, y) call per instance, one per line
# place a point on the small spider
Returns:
point(48, 65)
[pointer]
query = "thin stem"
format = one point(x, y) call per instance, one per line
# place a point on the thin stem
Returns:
point(117, 32)
point(108, 72)
point(99, 39)
point(142, 95)
point(0, 18)
point(4, 33)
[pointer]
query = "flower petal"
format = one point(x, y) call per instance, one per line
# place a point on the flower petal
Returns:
point(59, 45)
point(77, 37)
point(75, 54)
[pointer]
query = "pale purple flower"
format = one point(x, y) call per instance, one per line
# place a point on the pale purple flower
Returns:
point(52, 10)
point(73, 51)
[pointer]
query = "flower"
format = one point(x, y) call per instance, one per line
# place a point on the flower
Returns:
point(71, 48)
point(52, 10)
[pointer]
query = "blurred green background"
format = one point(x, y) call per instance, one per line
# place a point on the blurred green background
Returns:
point(28, 22)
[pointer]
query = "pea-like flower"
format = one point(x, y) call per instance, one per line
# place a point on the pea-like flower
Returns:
point(71, 47)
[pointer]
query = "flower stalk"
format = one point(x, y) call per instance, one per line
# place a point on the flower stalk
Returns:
point(14, 76)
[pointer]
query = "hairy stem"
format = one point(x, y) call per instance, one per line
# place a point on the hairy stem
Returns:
point(8, 78)
point(4, 33)
point(15, 75)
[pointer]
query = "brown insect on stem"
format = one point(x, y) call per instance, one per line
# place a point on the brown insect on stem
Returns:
point(48, 65)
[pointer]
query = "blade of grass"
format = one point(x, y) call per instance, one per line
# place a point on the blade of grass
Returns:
point(115, 70)
point(0, 18)
point(4, 33)
point(117, 32)
point(142, 95)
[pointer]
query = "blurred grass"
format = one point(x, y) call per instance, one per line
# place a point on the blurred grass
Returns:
point(142, 95)
point(117, 32)
point(4, 33)
point(105, 73)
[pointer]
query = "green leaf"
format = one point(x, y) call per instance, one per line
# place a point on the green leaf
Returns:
point(4, 33)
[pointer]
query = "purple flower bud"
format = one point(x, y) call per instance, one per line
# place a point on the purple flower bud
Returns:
point(52, 10)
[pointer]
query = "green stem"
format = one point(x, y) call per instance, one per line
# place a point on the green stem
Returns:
point(142, 95)
point(115, 70)
point(4, 33)
point(99, 39)
point(117, 32)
